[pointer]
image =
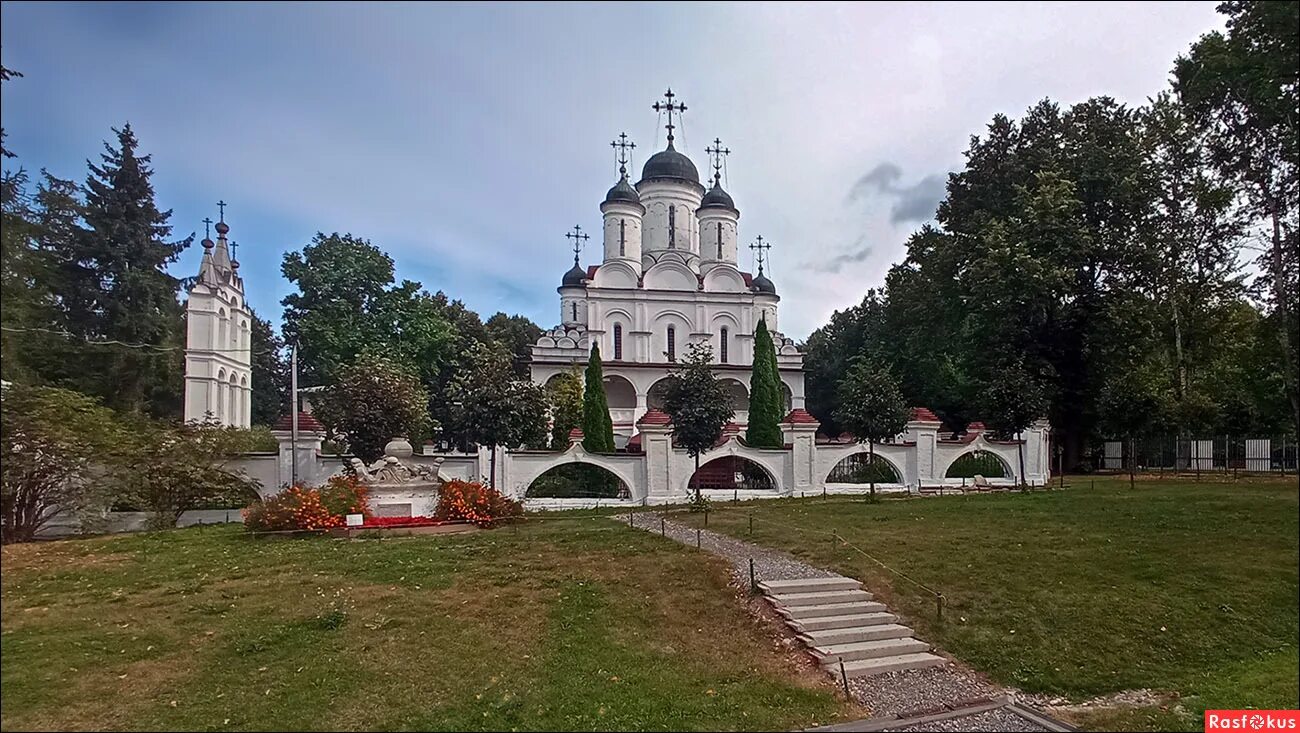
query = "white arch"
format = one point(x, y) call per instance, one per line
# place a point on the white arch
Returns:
point(728, 450)
point(669, 274)
point(615, 274)
point(860, 450)
point(1008, 469)
point(724, 279)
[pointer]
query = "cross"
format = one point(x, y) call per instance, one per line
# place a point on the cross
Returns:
point(222, 205)
point(234, 250)
point(670, 108)
point(622, 146)
point(716, 153)
point(578, 239)
point(207, 227)
point(760, 252)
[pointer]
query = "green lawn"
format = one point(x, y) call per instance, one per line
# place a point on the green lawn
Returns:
point(564, 625)
point(1176, 586)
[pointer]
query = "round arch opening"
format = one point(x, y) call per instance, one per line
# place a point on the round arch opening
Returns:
point(577, 480)
point(978, 463)
point(738, 396)
point(619, 393)
point(654, 398)
point(860, 468)
point(730, 473)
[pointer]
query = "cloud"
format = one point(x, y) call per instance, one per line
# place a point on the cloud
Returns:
point(914, 203)
point(837, 263)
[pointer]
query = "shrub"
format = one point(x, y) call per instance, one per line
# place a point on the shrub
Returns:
point(297, 508)
point(473, 502)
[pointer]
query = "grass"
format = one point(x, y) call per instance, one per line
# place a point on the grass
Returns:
point(562, 625)
point(1177, 586)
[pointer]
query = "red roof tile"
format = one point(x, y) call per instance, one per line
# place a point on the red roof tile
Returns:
point(306, 423)
point(800, 416)
point(575, 435)
point(923, 414)
point(654, 417)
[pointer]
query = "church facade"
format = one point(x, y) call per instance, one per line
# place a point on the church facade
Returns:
point(668, 276)
point(218, 338)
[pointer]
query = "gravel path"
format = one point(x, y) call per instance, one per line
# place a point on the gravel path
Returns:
point(768, 564)
point(998, 719)
point(914, 692)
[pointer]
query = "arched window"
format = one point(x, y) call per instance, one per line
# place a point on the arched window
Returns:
point(720, 245)
point(672, 226)
point(575, 312)
point(622, 237)
point(672, 343)
point(618, 342)
point(221, 329)
point(722, 345)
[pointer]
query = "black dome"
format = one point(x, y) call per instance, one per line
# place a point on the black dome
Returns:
point(574, 276)
point(670, 164)
point(717, 197)
point(623, 191)
point(763, 285)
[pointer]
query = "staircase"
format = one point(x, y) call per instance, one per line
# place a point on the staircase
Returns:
point(840, 622)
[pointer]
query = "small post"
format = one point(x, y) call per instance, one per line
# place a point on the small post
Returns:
point(630, 520)
point(753, 583)
point(751, 523)
point(1092, 484)
point(938, 602)
point(697, 538)
point(823, 491)
point(662, 527)
point(735, 495)
point(706, 516)
point(844, 678)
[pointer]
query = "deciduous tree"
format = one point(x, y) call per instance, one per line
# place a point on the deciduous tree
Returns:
point(871, 407)
point(698, 404)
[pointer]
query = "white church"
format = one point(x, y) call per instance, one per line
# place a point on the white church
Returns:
point(218, 337)
point(669, 275)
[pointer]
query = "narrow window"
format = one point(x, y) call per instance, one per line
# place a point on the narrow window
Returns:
point(575, 313)
point(720, 245)
point(722, 345)
point(672, 227)
point(622, 237)
point(672, 344)
point(618, 342)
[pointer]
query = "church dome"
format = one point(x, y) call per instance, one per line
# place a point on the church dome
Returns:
point(574, 277)
point(670, 164)
point(623, 191)
point(717, 197)
point(763, 285)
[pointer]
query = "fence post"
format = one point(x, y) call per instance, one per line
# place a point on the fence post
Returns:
point(751, 523)
point(662, 528)
point(753, 584)
point(630, 520)
point(938, 600)
point(735, 495)
point(706, 516)
point(844, 678)
point(697, 538)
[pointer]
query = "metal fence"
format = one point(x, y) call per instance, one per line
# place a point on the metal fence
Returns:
point(1209, 454)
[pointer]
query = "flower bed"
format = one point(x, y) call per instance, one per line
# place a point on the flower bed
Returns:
point(421, 521)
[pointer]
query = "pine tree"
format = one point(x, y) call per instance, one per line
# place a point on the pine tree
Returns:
point(764, 430)
point(121, 269)
point(597, 428)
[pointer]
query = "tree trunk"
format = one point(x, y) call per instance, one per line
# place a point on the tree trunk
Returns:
point(695, 478)
point(1020, 454)
point(871, 467)
point(1284, 307)
point(1132, 464)
point(492, 477)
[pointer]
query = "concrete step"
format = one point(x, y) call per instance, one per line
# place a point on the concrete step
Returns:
point(842, 622)
point(853, 635)
point(820, 598)
point(808, 585)
point(831, 609)
point(867, 667)
point(869, 650)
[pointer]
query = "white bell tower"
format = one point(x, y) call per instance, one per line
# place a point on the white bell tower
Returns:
point(218, 337)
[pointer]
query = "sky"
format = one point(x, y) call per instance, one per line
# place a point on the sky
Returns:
point(466, 139)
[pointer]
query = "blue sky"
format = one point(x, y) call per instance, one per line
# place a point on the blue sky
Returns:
point(465, 140)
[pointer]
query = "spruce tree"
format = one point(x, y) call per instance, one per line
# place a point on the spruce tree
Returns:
point(597, 428)
point(122, 259)
point(765, 402)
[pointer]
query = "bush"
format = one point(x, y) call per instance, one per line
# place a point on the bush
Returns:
point(473, 502)
point(297, 508)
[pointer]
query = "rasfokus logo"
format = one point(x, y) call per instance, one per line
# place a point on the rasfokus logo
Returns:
point(1251, 720)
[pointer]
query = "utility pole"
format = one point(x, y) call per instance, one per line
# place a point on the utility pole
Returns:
point(293, 414)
